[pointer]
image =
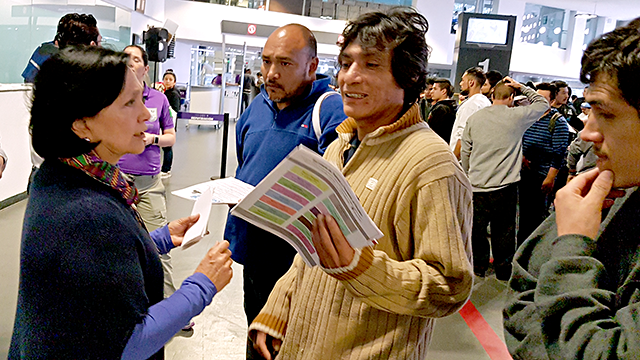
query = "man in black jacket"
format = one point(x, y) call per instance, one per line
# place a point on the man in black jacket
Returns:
point(443, 113)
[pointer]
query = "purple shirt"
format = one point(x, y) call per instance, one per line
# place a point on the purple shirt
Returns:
point(148, 163)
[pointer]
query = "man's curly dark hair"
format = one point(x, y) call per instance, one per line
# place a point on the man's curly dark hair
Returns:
point(401, 31)
point(77, 29)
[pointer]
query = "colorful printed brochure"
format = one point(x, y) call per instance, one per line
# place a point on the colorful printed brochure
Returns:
point(301, 187)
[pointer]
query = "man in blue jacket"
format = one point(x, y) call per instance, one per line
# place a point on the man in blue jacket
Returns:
point(278, 120)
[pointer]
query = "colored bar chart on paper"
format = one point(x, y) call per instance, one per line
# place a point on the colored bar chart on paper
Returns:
point(300, 188)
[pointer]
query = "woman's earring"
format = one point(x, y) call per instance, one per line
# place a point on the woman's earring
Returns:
point(86, 139)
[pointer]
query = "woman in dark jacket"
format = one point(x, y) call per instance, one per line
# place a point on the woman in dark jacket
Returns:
point(90, 275)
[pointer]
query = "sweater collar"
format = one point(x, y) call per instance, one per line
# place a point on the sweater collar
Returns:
point(411, 117)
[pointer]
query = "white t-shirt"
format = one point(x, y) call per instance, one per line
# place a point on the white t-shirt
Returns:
point(466, 109)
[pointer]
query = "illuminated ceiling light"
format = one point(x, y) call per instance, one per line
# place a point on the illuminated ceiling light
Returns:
point(542, 30)
point(557, 30)
point(555, 44)
point(586, 31)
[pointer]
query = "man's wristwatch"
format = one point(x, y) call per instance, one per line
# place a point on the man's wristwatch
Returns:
point(156, 140)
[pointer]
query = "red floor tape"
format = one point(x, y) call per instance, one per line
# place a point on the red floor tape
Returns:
point(490, 341)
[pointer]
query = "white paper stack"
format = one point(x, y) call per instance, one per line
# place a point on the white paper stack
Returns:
point(226, 191)
point(199, 229)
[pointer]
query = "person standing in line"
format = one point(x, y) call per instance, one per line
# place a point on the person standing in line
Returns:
point(492, 158)
point(471, 84)
point(276, 121)
point(173, 96)
point(73, 29)
point(544, 146)
point(248, 83)
point(575, 288)
point(426, 102)
point(493, 77)
point(443, 113)
point(380, 302)
point(564, 106)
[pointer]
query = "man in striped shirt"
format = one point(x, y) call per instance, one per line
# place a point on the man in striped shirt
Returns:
point(544, 147)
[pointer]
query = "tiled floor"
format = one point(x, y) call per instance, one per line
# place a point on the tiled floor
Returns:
point(220, 330)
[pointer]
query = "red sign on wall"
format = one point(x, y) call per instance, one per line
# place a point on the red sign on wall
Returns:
point(251, 29)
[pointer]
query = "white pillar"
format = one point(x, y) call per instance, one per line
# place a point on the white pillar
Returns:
point(575, 41)
point(439, 14)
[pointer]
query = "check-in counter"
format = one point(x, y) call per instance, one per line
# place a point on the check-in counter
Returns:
point(14, 139)
point(206, 99)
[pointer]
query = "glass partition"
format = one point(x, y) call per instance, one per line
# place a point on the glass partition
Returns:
point(25, 25)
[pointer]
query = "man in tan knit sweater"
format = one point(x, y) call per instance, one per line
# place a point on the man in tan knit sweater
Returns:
point(380, 302)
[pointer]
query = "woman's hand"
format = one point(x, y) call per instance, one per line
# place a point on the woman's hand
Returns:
point(177, 228)
point(216, 265)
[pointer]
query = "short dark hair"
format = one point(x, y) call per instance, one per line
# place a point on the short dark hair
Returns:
point(617, 56)
point(561, 84)
point(445, 84)
point(312, 43)
point(477, 74)
point(65, 91)
point(501, 91)
point(145, 57)
point(493, 76)
point(552, 88)
point(431, 81)
point(170, 72)
point(401, 30)
point(77, 29)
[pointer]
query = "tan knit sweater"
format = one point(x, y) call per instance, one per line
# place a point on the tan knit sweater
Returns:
point(383, 305)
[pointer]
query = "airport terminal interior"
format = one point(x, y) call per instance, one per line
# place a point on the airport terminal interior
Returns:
point(220, 330)
point(219, 39)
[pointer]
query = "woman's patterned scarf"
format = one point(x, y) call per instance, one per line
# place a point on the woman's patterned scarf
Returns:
point(105, 173)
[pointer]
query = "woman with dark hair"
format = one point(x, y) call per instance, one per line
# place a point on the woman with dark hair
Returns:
point(173, 95)
point(90, 276)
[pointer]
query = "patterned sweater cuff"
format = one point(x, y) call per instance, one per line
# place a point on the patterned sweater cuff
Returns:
point(362, 260)
point(268, 324)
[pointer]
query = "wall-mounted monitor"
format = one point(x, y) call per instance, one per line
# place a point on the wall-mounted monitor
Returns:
point(487, 31)
point(483, 40)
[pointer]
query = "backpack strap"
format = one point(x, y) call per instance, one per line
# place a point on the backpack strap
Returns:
point(315, 117)
point(552, 122)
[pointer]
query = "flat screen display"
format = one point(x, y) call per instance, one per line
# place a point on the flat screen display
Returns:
point(487, 31)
